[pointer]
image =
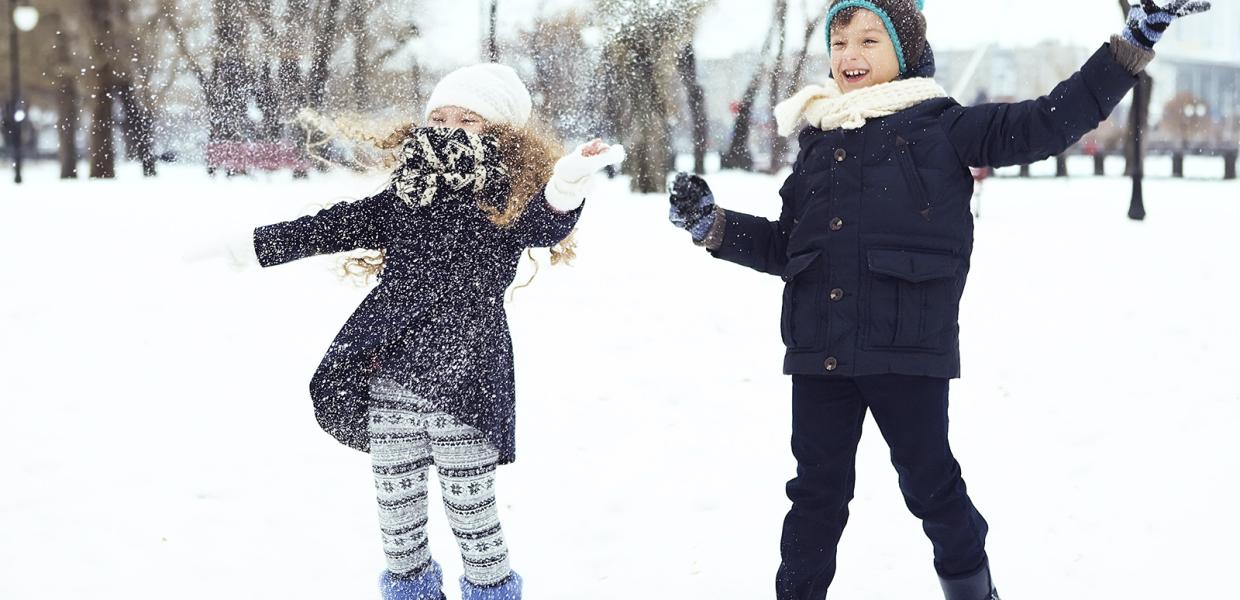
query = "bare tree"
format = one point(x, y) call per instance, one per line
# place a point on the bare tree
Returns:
point(639, 62)
point(324, 45)
point(562, 62)
point(359, 11)
point(236, 76)
point(67, 96)
point(812, 26)
point(492, 26)
point(779, 145)
point(687, 65)
point(103, 23)
point(228, 88)
point(134, 59)
point(738, 155)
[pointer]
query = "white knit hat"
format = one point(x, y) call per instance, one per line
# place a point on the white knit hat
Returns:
point(491, 90)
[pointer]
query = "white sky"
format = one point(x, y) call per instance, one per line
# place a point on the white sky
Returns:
point(453, 28)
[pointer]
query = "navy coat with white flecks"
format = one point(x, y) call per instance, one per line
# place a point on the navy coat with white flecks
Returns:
point(875, 235)
point(436, 321)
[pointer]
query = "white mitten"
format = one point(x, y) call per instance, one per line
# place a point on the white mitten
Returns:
point(237, 249)
point(572, 175)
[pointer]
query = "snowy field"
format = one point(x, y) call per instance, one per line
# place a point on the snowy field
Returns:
point(157, 438)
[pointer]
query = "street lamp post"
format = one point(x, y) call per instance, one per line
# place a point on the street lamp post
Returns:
point(25, 18)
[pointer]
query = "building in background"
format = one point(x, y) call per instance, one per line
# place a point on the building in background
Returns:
point(1200, 61)
point(1200, 58)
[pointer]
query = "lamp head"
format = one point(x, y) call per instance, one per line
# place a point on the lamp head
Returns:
point(25, 17)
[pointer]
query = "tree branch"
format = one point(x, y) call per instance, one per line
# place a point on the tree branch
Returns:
point(167, 9)
point(407, 36)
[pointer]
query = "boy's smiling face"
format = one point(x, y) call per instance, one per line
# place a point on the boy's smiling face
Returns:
point(862, 54)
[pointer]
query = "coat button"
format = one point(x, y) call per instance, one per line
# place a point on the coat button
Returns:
point(840, 155)
point(837, 224)
point(831, 364)
point(837, 294)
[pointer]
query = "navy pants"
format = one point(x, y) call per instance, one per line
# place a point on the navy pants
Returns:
point(911, 412)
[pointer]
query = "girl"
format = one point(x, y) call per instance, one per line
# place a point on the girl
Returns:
point(422, 373)
point(874, 241)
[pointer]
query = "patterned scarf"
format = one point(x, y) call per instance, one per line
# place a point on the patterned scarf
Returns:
point(438, 163)
point(827, 107)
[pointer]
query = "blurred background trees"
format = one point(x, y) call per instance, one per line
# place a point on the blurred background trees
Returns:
point(221, 82)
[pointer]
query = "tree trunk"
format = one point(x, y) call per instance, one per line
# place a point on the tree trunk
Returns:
point(102, 16)
point(492, 34)
point(227, 92)
point(687, 65)
point(229, 89)
point(67, 99)
point(779, 144)
point(650, 140)
point(798, 70)
point(266, 98)
point(139, 126)
point(290, 81)
point(102, 145)
point(738, 155)
point(324, 45)
point(362, 48)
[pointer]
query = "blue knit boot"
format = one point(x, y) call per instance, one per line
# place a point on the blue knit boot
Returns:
point(509, 589)
point(427, 585)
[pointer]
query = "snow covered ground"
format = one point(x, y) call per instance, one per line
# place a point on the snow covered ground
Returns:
point(156, 439)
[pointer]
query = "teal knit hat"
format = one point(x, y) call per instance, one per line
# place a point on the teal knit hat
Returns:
point(906, 25)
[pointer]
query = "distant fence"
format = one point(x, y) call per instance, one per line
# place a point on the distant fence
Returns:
point(1228, 154)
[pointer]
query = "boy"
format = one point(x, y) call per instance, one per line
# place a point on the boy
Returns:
point(874, 242)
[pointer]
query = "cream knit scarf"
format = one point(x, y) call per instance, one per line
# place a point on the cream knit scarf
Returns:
point(826, 107)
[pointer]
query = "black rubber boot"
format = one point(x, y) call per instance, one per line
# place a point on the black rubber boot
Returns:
point(977, 586)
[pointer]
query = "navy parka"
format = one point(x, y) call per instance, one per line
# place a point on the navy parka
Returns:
point(436, 321)
point(875, 235)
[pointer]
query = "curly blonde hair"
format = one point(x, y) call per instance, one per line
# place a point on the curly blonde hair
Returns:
point(529, 154)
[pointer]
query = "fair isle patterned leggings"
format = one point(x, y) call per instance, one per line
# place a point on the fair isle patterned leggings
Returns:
point(406, 437)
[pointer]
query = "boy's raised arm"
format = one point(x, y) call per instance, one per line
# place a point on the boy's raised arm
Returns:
point(1004, 134)
point(998, 135)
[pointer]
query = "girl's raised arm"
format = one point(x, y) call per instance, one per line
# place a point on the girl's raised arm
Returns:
point(338, 228)
point(551, 216)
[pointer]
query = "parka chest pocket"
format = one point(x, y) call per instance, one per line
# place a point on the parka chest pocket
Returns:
point(912, 301)
point(919, 197)
point(800, 322)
